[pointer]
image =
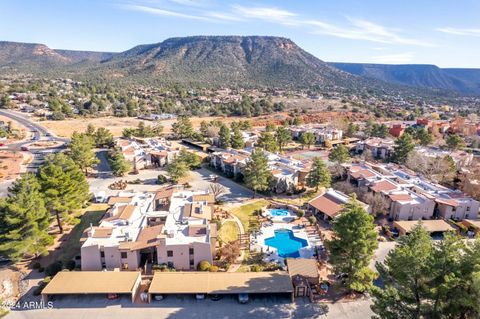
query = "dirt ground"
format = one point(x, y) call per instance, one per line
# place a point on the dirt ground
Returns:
point(10, 163)
point(22, 130)
point(114, 124)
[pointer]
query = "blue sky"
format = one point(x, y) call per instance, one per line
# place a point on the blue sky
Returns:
point(441, 32)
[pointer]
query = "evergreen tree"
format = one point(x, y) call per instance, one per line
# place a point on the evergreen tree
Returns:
point(353, 246)
point(424, 137)
point(63, 186)
point(404, 145)
point(266, 141)
point(224, 137)
point(24, 220)
point(283, 137)
point(339, 154)
point(257, 174)
point(183, 128)
point(352, 129)
point(318, 175)
point(270, 127)
point(103, 137)
point(118, 164)
point(177, 169)
point(307, 139)
point(455, 142)
point(81, 151)
point(237, 139)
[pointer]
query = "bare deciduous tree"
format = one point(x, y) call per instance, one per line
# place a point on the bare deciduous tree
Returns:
point(217, 190)
point(379, 205)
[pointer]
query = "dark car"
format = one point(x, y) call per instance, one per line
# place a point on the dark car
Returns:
point(216, 297)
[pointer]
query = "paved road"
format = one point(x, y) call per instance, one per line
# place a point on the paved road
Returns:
point(38, 130)
point(187, 307)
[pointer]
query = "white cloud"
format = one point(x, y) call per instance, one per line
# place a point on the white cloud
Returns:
point(163, 12)
point(398, 58)
point(460, 31)
point(267, 14)
point(363, 30)
point(224, 16)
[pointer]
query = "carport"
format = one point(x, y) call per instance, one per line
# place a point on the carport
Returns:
point(93, 283)
point(433, 227)
point(220, 283)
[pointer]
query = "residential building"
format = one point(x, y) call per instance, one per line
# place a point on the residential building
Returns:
point(330, 204)
point(378, 147)
point(411, 197)
point(166, 227)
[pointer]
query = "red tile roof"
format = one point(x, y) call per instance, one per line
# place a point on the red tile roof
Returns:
point(400, 197)
point(383, 186)
point(327, 204)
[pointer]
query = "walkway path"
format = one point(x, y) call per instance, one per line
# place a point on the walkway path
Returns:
point(234, 267)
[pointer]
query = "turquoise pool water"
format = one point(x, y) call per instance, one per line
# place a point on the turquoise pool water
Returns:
point(286, 243)
point(277, 212)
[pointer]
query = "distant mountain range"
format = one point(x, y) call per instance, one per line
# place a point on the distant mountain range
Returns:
point(418, 75)
point(247, 61)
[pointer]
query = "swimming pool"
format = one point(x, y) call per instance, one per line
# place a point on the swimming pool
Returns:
point(278, 212)
point(286, 243)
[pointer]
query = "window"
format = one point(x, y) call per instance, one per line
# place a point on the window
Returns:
point(468, 208)
point(169, 253)
point(102, 254)
point(123, 254)
point(192, 262)
point(190, 251)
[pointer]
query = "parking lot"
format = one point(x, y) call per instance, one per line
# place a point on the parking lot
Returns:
point(90, 307)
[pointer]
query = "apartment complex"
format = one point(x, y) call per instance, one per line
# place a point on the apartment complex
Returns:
point(378, 147)
point(166, 227)
point(145, 152)
point(411, 197)
point(287, 172)
point(322, 133)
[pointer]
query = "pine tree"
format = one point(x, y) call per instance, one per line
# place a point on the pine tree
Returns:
point(183, 128)
point(103, 137)
point(257, 173)
point(63, 186)
point(318, 175)
point(224, 137)
point(283, 137)
point(24, 220)
point(266, 141)
point(353, 246)
point(81, 151)
point(307, 139)
point(237, 139)
point(177, 169)
point(339, 154)
point(118, 164)
point(404, 145)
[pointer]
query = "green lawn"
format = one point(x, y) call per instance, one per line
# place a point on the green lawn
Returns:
point(244, 212)
point(228, 232)
point(71, 247)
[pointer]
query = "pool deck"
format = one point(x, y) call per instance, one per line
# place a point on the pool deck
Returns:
point(269, 231)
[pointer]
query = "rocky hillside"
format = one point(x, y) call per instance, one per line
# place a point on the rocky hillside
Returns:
point(415, 75)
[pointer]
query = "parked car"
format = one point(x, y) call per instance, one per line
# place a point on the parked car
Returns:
point(243, 298)
point(100, 197)
point(216, 297)
point(199, 296)
point(24, 148)
point(159, 297)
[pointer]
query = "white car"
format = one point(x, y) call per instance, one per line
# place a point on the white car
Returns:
point(100, 197)
point(243, 298)
point(199, 296)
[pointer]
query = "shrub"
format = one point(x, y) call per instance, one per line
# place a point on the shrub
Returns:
point(312, 220)
point(213, 268)
point(47, 279)
point(300, 213)
point(70, 265)
point(203, 265)
point(41, 269)
point(162, 179)
point(256, 268)
point(54, 268)
point(36, 265)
